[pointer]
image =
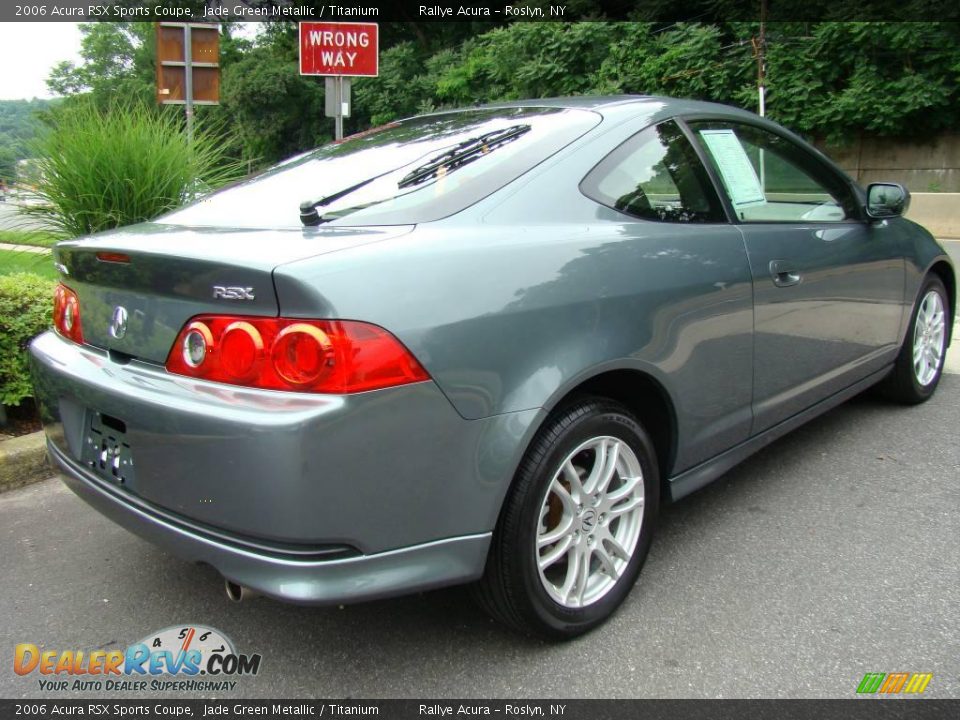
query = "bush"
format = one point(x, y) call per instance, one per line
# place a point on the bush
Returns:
point(101, 169)
point(26, 305)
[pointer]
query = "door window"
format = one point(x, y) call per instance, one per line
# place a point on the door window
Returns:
point(768, 178)
point(656, 175)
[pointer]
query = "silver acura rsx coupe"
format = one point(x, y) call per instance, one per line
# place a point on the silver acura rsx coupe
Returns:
point(479, 346)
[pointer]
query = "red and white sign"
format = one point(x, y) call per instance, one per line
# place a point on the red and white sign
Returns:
point(350, 49)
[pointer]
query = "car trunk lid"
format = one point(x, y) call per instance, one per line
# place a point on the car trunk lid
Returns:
point(162, 275)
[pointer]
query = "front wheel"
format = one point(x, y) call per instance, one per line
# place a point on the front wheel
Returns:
point(917, 371)
point(577, 526)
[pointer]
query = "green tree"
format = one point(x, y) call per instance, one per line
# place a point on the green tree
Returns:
point(8, 163)
point(406, 85)
point(19, 122)
point(527, 60)
point(840, 79)
point(705, 62)
point(118, 63)
point(271, 108)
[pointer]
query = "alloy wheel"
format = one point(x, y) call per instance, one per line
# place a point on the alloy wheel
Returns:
point(590, 521)
point(929, 337)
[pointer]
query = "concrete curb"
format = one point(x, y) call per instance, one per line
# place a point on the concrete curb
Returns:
point(23, 460)
point(35, 249)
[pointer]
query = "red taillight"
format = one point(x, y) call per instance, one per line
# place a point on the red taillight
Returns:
point(66, 313)
point(322, 356)
point(113, 257)
point(302, 354)
point(241, 350)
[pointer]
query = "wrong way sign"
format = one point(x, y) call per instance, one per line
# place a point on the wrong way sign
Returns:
point(347, 49)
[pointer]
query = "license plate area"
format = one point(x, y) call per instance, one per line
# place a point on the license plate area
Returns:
point(106, 450)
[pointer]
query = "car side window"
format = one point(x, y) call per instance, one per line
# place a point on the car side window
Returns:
point(656, 175)
point(768, 178)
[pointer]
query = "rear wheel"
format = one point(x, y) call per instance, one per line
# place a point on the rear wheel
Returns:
point(577, 526)
point(918, 368)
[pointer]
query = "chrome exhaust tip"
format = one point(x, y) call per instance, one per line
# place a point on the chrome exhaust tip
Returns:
point(235, 593)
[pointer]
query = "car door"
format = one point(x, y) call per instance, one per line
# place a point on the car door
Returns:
point(683, 294)
point(828, 285)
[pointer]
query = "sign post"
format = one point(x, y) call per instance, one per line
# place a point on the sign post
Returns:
point(188, 66)
point(339, 51)
point(337, 100)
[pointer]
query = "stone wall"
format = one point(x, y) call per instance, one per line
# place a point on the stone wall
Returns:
point(924, 167)
point(937, 212)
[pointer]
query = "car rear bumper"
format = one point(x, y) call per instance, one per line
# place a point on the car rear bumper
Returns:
point(309, 498)
point(314, 581)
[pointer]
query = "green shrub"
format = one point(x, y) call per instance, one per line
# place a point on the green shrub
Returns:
point(26, 305)
point(101, 169)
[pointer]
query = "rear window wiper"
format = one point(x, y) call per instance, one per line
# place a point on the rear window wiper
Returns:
point(461, 154)
point(308, 208)
point(457, 156)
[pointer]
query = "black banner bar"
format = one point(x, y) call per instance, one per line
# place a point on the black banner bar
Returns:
point(854, 709)
point(664, 11)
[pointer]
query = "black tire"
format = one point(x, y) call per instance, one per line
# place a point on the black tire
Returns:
point(511, 589)
point(902, 385)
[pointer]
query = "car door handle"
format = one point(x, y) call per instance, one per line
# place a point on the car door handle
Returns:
point(784, 274)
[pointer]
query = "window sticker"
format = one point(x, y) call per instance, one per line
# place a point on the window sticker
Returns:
point(735, 168)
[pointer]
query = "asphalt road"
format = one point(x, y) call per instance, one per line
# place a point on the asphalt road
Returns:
point(832, 553)
point(12, 219)
point(8, 215)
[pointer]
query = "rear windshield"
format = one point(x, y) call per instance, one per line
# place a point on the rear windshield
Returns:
point(411, 171)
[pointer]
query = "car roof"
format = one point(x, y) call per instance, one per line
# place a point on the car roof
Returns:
point(577, 101)
point(610, 105)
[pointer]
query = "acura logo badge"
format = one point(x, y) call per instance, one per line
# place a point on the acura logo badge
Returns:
point(589, 521)
point(118, 326)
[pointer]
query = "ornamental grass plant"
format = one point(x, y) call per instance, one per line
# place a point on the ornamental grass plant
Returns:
point(99, 169)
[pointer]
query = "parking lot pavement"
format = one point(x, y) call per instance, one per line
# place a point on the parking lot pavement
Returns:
point(831, 554)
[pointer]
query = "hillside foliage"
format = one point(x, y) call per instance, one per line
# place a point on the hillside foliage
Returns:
point(828, 80)
point(19, 122)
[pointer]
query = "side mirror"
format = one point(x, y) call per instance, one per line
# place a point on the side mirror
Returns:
point(887, 200)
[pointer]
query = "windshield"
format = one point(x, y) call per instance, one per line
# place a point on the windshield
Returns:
point(407, 172)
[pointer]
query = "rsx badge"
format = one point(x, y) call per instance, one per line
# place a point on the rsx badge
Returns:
point(232, 292)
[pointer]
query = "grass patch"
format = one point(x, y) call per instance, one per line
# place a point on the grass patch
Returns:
point(15, 261)
point(37, 238)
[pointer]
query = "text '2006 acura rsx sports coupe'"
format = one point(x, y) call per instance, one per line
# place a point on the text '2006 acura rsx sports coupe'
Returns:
point(479, 346)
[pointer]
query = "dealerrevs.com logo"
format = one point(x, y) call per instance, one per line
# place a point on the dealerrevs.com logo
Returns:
point(182, 657)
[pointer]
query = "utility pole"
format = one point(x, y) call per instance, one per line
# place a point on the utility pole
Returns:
point(761, 50)
point(188, 79)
